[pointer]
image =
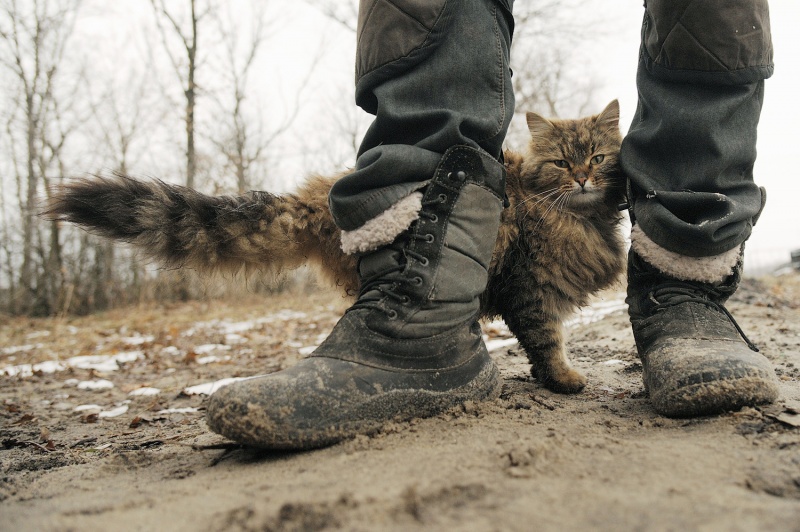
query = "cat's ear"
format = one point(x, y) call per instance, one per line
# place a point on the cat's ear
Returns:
point(609, 118)
point(538, 125)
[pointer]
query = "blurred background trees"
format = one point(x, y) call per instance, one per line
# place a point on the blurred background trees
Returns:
point(220, 95)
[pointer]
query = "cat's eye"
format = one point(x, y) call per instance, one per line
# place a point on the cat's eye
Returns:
point(597, 159)
point(561, 163)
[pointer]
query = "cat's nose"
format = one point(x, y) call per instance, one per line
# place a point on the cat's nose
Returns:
point(581, 178)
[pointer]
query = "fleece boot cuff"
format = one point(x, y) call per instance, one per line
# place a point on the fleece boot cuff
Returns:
point(714, 269)
point(384, 228)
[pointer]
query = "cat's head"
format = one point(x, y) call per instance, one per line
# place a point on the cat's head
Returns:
point(575, 162)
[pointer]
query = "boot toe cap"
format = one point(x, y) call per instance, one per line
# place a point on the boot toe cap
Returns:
point(695, 377)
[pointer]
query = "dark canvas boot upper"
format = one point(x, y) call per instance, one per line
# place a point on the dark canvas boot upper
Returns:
point(409, 347)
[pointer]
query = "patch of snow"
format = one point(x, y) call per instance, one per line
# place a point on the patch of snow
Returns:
point(171, 350)
point(114, 412)
point(145, 391)
point(233, 338)
point(185, 410)
point(14, 349)
point(209, 348)
point(613, 362)
point(104, 362)
point(98, 384)
point(500, 343)
point(138, 339)
point(27, 370)
point(596, 312)
point(305, 351)
point(284, 315)
point(227, 327)
point(211, 387)
point(37, 334)
point(237, 327)
point(85, 408)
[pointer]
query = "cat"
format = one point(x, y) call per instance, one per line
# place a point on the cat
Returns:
point(559, 240)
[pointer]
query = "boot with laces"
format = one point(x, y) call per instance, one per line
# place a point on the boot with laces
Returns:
point(409, 347)
point(696, 359)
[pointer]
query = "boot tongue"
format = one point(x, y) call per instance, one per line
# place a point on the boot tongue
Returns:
point(378, 261)
point(377, 268)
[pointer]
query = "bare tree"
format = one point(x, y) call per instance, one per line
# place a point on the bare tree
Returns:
point(240, 139)
point(345, 12)
point(185, 66)
point(241, 134)
point(123, 116)
point(33, 40)
point(551, 75)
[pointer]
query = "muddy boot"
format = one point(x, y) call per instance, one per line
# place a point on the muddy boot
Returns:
point(696, 359)
point(409, 347)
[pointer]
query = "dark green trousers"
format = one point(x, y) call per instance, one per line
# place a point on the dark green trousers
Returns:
point(435, 74)
point(691, 148)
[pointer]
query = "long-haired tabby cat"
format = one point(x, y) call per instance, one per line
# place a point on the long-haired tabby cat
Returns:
point(559, 240)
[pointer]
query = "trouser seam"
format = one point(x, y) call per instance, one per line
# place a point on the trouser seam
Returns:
point(500, 76)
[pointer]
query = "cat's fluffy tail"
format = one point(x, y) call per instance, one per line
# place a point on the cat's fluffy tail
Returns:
point(180, 227)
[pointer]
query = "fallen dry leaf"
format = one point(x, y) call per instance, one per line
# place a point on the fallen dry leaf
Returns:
point(26, 418)
point(138, 421)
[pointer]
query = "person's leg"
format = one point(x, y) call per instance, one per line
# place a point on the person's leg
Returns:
point(689, 155)
point(452, 89)
point(423, 211)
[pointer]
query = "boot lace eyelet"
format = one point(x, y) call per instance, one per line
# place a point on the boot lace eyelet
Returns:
point(391, 314)
point(424, 261)
point(429, 238)
point(442, 198)
point(417, 281)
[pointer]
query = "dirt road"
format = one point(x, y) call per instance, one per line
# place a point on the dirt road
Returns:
point(101, 428)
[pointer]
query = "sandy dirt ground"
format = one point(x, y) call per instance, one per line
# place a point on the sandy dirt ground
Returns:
point(101, 428)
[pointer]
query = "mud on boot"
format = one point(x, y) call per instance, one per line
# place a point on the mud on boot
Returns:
point(409, 347)
point(696, 359)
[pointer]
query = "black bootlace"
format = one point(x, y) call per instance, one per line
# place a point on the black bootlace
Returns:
point(383, 285)
point(674, 293)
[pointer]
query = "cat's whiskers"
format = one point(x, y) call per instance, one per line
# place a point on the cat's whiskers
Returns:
point(542, 193)
point(539, 201)
point(541, 196)
point(549, 208)
point(565, 198)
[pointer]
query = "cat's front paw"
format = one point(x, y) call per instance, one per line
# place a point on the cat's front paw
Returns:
point(566, 380)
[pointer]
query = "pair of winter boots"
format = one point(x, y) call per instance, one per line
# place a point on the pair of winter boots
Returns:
point(411, 345)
